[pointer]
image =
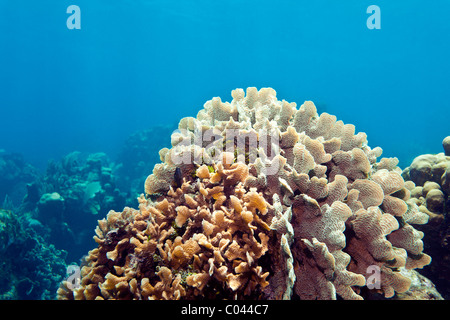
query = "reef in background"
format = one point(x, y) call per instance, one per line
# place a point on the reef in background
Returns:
point(137, 157)
point(30, 267)
point(69, 199)
point(51, 215)
point(312, 215)
point(430, 191)
point(15, 174)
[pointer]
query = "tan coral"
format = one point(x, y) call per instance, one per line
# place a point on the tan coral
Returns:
point(203, 172)
point(372, 226)
point(353, 164)
point(255, 201)
point(274, 202)
point(370, 192)
point(390, 181)
point(183, 213)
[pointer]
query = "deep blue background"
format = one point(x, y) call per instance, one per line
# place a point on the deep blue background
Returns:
point(135, 64)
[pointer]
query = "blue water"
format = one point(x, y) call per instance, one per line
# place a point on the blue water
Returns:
point(135, 64)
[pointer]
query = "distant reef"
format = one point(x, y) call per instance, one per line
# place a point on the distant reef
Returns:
point(47, 218)
point(30, 267)
point(137, 158)
point(430, 174)
point(15, 174)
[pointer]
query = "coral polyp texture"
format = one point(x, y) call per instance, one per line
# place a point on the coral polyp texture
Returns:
point(259, 199)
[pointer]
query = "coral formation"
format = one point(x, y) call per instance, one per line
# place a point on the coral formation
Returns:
point(275, 203)
point(429, 185)
point(51, 216)
point(69, 199)
point(421, 288)
point(30, 268)
point(446, 145)
point(15, 174)
point(144, 145)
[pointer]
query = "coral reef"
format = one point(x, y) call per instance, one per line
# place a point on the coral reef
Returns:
point(446, 145)
point(30, 268)
point(274, 202)
point(429, 184)
point(421, 288)
point(15, 174)
point(74, 193)
point(55, 212)
point(144, 145)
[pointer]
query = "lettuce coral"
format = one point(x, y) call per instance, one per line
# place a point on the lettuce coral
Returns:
point(276, 202)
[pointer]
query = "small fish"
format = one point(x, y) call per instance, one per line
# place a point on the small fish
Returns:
point(178, 177)
point(154, 196)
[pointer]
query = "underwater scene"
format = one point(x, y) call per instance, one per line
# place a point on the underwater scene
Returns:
point(224, 150)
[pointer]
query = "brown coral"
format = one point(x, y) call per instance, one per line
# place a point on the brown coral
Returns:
point(275, 202)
